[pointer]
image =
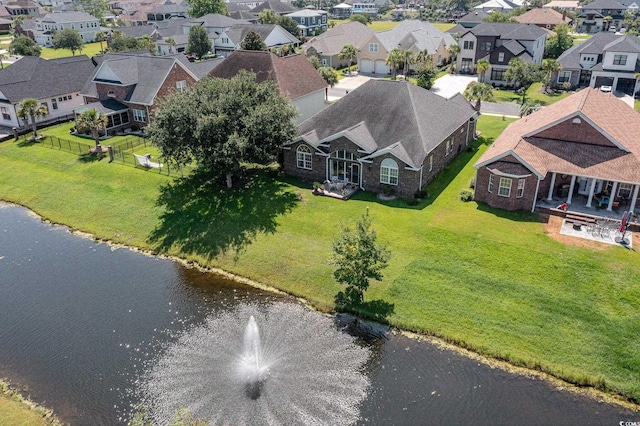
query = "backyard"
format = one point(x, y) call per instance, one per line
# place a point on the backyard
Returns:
point(486, 279)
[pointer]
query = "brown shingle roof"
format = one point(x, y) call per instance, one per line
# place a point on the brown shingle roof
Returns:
point(294, 75)
point(541, 16)
point(610, 116)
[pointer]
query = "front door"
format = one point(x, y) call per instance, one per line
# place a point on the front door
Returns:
point(345, 171)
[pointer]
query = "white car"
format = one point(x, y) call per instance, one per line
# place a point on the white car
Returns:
point(606, 89)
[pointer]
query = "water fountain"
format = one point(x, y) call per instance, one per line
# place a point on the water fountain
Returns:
point(294, 366)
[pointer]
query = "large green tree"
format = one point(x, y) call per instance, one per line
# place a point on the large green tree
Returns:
point(290, 25)
point(24, 46)
point(348, 52)
point(523, 75)
point(29, 110)
point(96, 8)
point(558, 43)
point(363, 18)
point(223, 123)
point(198, 42)
point(68, 39)
point(358, 258)
point(253, 41)
point(198, 8)
point(478, 92)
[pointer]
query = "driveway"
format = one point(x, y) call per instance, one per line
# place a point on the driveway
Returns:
point(450, 84)
point(346, 85)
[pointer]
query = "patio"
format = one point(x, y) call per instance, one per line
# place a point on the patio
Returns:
point(336, 189)
point(579, 205)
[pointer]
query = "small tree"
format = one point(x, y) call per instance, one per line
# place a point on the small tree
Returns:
point(315, 61)
point(360, 17)
point(426, 73)
point(94, 122)
point(101, 37)
point(523, 74)
point(253, 41)
point(358, 259)
point(287, 23)
point(454, 50)
point(408, 59)
point(198, 8)
point(172, 44)
point(198, 43)
point(482, 66)
point(348, 52)
point(479, 92)
point(29, 110)
point(24, 46)
point(550, 66)
point(395, 60)
point(559, 42)
point(68, 39)
point(329, 75)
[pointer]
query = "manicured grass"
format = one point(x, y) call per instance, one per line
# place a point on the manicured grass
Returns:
point(388, 25)
point(636, 105)
point(89, 49)
point(14, 410)
point(534, 92)
point(490, 280)
point(62, 131)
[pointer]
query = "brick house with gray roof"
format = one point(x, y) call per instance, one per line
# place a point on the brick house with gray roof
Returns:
point(56, 83)
point(606, 59)
point(584, 150)
point(402, 147)
point(126, 87)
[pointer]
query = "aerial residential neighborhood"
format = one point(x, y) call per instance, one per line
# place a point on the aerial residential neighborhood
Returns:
point(305, 212)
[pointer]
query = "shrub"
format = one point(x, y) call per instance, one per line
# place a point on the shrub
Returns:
point(472, 183)
point(412, 201)
point(386, 189)
point(316, 185)
point(421, 193)
point(466, 195)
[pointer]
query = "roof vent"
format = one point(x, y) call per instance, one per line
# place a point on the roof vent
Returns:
point(576, 121)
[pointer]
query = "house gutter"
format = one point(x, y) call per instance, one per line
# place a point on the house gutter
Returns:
point(533, 208)
point(420, 187)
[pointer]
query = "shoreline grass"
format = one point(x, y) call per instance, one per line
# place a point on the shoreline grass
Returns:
point(18, 410)
point(485, 279)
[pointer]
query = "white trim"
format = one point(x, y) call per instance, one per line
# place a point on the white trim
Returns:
point(508, 175)
point(505, 154)
point(535, 197)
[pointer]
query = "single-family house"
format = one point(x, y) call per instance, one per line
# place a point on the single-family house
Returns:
point(341, 11)
point(125, 87)
point(473, 18)
point(280, 8)
point(86, 25)
point(273, 36)
point(310, 22)
point(327, 46)
point(168, 10)
point(499, 43)
point(413, 35)
point(504, 6)
point(600, 15)
point(294, 75)
point(214, 23)
point(544, 18)
point(580, 150)
point(402, 148)
point(247, 3)
point(605, 59)
point(55, 83)
point(24, 8)
point(563, 5)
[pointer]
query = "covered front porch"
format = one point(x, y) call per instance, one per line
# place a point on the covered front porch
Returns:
point(589, 195)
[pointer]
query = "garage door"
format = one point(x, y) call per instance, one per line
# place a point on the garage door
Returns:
point(626, 85)
point(604, 81)
point(366, 66)
point(382, 68)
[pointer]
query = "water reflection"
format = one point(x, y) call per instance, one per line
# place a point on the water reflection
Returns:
point(78, 320)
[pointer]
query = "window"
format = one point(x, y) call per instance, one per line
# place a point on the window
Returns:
point(449, 147)
point(389, 172)
point(624, 190)
point(564, 76)
point(504, 190)
point(5, 113)
point(139, 115)
point(485, 45)
point(303, 154)
point(620, 60)
point(501, 57)
point(490, 188)
point(344, 155)
point(373, 47)
point(225, 40)
point(324, 62)
point(181, 85)
point(468, 45)
point(54, 103)
point(497, 74)
point(60, 99)
point(520, 190)
point(431, 162)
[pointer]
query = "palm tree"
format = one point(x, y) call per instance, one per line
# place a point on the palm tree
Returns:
point(395, 60)
point(330, 77)
point(482, 66)
point(29, 110)
point(408, 58)
point(454, 49)
point(172, 44)
point(348, 52)
point(550, 66)
point(93, 121)
point(478, 92)
point(423, 56)
point(100, 37)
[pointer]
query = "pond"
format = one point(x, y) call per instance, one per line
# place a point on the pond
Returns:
point(81, 320)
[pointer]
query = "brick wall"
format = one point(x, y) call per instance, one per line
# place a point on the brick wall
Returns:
point(119, 92)
point(176, 74)
point(290, 164)
point(506, 203)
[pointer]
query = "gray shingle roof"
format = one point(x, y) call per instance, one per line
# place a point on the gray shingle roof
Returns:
point(332, 41)
point(275, 5)
point(596, 45)
point(237, 33)
point(603, 4)
point(32, 77)
point(474, 16)
point(215, 20)
point(136, 31)
point(391, 115)
point(169, 8)
point(508, 31)
point(67, 17)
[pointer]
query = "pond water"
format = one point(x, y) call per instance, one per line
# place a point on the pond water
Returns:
point(80, 320)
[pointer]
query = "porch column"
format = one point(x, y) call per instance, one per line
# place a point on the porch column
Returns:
point(634, 198)
point(592, 190)
point(573, 184)
point(553, 183)
point(612, 195)
point(615, 85)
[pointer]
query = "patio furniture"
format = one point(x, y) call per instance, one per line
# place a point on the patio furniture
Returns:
point(145, 161)
point(602, 200)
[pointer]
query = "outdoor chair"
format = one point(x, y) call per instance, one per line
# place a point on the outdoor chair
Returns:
point(144, 161)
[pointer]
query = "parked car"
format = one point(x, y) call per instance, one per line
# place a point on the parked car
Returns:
point(606, 89)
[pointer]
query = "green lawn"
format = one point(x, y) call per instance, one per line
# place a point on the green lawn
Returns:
point(62, 131)
point(486, 279)
point(89, 49)
point(532, 93)
point(14, 410)
point(388, 25)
